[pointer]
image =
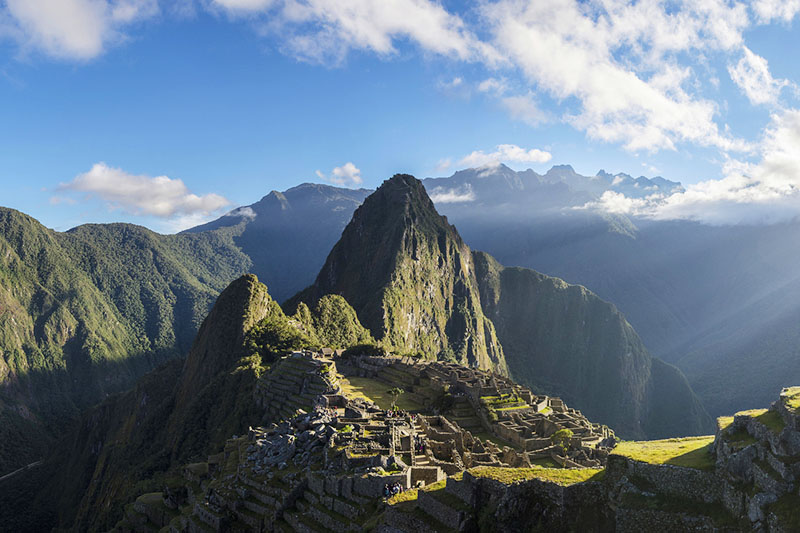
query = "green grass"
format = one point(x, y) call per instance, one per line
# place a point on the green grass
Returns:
point(375, 391)
point(791, 398)
point(561, 476)
point(772, 419)
point(405, 496)
point(723, 422)
point(691, 452)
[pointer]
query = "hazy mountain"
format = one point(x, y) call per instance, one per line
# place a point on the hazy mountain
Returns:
point(287, 234)
point(414, 283)
point(708, 298)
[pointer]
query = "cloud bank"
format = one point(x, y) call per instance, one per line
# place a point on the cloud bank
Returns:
point(750, 193)
point(158, 196)
point(505, 153)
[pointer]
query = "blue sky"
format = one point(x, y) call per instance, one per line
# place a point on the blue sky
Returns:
point(168, 114)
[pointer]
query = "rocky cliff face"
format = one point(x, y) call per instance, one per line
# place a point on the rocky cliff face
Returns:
point(410, 278)
point(562, 339)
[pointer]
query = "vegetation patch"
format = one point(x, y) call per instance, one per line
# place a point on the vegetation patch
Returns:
point(691, 452)
point(561, 476)
point(724, 422)
point(772, 419)
point(375, 391)
point(791, 398)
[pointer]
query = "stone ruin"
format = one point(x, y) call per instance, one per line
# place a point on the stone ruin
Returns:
point(323, 461)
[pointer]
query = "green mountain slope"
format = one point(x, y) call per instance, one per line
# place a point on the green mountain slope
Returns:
point(83, 314)
point(410, 278)
point(562, 339)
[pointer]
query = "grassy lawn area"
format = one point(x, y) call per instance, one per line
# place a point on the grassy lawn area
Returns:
point(561, 476)
point(375, 391)
point(692, 452)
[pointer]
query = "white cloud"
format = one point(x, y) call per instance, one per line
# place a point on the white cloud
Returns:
point(72, 29)
point(158, 196)
point(242, 212)
point(347, 175)
point(764, 192)
point(616, 59)
point(493, 86)
point(441, 195)
point(769, 10)
point(505, 153)
point(324, 31)
point(751, 74)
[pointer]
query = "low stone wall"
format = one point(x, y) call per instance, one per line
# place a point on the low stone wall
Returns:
point(671, 480)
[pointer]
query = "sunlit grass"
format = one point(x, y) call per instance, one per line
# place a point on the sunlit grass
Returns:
point(561, 476)
point(376, 391)
point(691, 452)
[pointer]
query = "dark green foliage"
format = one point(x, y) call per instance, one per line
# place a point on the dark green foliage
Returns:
point(84, 313)
point(275, 336)
point(364, 349)
point(336, 323)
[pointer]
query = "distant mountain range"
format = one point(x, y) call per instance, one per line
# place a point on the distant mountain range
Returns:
point(721, 302)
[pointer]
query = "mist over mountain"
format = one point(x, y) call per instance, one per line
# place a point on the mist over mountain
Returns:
point(287, 234)
point(708, 298)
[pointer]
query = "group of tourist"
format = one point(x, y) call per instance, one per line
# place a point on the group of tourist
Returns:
point(396, 414)
point(419, 445)
point(391, 490)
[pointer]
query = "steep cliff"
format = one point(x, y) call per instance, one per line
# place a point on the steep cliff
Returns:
point(410, 278)
point(562, 339)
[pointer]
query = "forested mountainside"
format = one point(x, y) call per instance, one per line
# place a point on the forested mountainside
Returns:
point(83, 314)
point(417, 287)
point(561, 337)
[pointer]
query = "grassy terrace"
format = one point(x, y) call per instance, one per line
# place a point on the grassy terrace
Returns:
point(772, 419)
point(691, 452)
point(375, 391)
point(561, 476)
point(791, 398)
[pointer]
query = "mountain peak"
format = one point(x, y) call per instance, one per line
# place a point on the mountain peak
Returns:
point(410, 278)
